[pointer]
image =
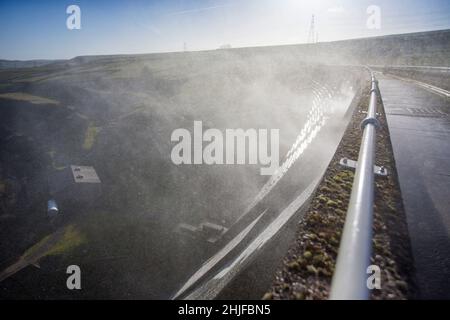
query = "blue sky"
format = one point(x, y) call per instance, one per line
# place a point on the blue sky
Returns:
point(37, 29)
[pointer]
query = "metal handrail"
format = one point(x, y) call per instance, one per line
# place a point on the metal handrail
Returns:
point(350, 277)
point(443, 69)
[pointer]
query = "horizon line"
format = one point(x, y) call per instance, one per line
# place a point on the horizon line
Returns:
point(218, 48)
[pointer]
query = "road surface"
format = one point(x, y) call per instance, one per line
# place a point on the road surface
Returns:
point(419, 124)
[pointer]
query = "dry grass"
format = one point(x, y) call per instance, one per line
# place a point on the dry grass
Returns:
point(22, 96)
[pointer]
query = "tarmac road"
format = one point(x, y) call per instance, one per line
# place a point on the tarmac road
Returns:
point(419, 124)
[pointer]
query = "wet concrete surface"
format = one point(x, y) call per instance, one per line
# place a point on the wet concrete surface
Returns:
point(419, 124)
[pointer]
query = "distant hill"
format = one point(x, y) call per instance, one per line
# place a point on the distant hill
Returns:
point(424, 48)
point(16, 64)
point(431, 48)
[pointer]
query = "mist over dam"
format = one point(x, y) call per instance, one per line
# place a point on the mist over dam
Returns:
point(224, 155)
point(88, 176)
point(117, 115)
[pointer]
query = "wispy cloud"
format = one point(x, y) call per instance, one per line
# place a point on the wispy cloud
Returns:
point(197, 10)
point(153, 29)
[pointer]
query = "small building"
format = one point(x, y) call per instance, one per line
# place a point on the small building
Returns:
point(75, 185)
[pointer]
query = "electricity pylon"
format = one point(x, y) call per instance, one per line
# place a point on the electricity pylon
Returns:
point(312, 35)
